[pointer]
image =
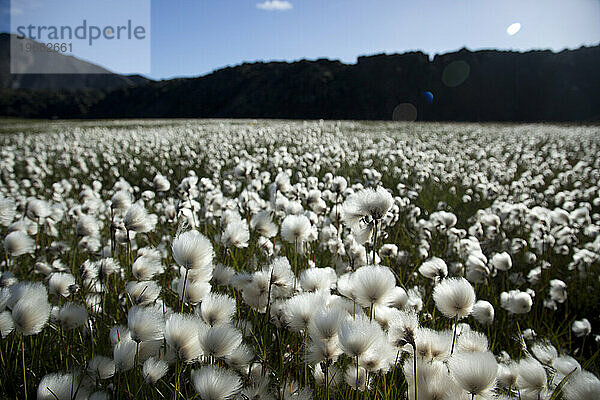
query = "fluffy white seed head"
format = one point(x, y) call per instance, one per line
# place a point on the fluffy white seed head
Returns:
point(474, 372)
point(358, 335)
point(502, 261)
point(236, 234)
point(582, 386)
point(71, 316)
point(434, 268)
point(220, 341)
point(145, 324)
point(181, 333)
point(68, 386)
point(192, 250)
point(31, 310)
point(6, 324)
point(124, 354)
point(217, 309)
point(137, 219)
point(147, 267)
point(295, 229)
point(154, 369)
point(18, 243)
point(372, 283)
point(216, 383)
point(61, 283)
point(87, 226)
point(454, 297)
point(101, 367)
point(263, 224)
point(483, 312)
point(143, 293)
point(366, 202)
point(581, 327)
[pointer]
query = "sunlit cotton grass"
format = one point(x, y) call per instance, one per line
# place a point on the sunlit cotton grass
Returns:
point(215, 383)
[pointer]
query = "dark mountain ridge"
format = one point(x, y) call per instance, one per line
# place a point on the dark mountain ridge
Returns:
point(486, 85)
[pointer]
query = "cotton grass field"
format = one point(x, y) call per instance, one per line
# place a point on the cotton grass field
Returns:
point(294, 260)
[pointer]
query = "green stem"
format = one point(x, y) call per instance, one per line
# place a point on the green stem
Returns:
point(415, 370)
point(454, 335)
point(23, 365)
point(184, 288)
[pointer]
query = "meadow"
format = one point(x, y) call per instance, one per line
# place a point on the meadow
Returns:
point(240, 259)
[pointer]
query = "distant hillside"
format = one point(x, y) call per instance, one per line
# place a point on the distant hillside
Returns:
point(484, 85)
point(85, 75)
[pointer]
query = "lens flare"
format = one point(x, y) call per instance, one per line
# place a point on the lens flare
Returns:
point(513, 28)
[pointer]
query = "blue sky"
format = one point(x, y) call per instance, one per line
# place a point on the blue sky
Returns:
point(194, 37)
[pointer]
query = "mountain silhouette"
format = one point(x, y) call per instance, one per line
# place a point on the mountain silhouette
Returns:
point(485, 85)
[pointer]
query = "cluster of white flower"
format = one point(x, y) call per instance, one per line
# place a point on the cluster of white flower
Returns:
point(292, 260)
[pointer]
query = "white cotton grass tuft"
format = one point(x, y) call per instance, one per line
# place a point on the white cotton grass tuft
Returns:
point(192, 250)
point(220, 341)
point(357, 335)
point(121, 201)
point(236, 234)
point(61, 283)
point(143, 293)
point(581, 327)
point(30, 307)
point(240, 358)
point(516, 301)
point(154, 369)
point(434, 268)
point(403, 327)
point(326, 322)
point(366, 202)
point(295, 229)
point(558, 290)
point(563, 366)
point(18, 243)
point(63, 386)
point(372, 283)
point(101, 367)
point(474, 372)
point(582, 386)
point(6, 324)
point(502, 261)
point(71, 316)
point(531, 379)
point(37, 210)
point(215, 383)
point(222, 275)
point(313, 279)
point(161, 183)
point(263, 224)
point(195, 291)
point(124, 354)
point(471, 342)
point(432, 379)
point(87, 226)
point(147, 266)
point(454, 297)
point(300, 309)
point(138, 220)
point(354, 380)
point(118, 333)
point(8, 210)
point(483, 312)
point(544, 351)
point(181, 333)
point(217, 309)
point(145, 324)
